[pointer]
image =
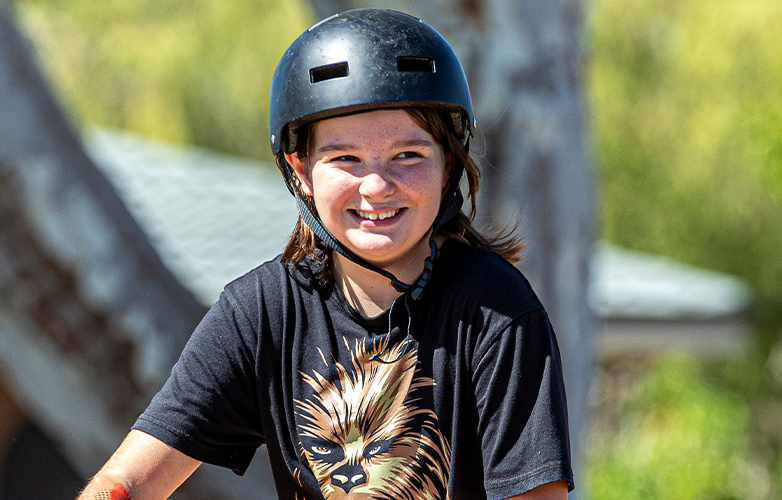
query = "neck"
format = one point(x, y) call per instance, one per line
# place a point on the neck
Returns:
point(369, 292)
point(365, 290)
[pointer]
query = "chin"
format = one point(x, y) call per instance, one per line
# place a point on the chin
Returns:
point(388, 250)
point(375, 248)
point(386, 255)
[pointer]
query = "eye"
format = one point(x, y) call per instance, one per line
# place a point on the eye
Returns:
point(321, 450)
point(377, 448)
point(409, 154)
point(345, 158)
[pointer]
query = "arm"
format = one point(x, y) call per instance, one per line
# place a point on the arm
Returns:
point(551, 491)
point(520, 397)
point(142, 468)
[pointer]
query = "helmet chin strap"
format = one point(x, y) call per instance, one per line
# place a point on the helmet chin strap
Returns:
point(449, 208)
point(329, 240)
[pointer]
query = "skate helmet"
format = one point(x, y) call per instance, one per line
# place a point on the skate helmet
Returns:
point(362, 60)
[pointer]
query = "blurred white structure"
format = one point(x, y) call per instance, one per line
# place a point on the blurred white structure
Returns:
point(649, 303)
point(214, 217)
point(211, 217)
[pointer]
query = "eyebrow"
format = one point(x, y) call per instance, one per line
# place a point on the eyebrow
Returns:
point(406, 143)
point(412, 143)
point(335, 147)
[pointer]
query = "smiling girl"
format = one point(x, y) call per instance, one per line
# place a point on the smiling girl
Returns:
point(392, 350)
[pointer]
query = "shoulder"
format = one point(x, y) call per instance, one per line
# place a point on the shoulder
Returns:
point(481, 276)
point(269, 285)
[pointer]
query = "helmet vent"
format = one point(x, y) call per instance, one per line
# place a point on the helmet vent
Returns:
point(416, 64)
point(329, 72)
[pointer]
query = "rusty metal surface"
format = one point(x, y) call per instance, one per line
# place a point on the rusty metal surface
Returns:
point(91, 321)
point(39, 286)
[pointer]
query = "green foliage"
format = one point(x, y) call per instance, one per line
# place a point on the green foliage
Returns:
point(686, 96)
point(687, 115)
point(673, 435)
point(180, 70)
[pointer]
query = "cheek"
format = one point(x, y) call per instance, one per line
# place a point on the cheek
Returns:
point(428, 188)
point(331, 189)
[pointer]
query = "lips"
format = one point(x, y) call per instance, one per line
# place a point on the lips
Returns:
point(376, 216)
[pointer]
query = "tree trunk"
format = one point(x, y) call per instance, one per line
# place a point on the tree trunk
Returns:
point(529, 87)
point(523, 62)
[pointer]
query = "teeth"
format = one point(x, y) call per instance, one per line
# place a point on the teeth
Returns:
point(371, 216)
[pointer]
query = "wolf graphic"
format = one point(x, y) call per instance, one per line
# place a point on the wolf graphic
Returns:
point(364, 435)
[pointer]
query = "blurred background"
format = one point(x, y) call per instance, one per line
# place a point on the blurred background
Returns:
point(678, 156)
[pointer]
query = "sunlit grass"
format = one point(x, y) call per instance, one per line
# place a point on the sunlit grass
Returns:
point(669, 433)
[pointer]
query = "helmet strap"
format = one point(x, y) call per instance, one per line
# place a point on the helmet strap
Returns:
point(317, 227)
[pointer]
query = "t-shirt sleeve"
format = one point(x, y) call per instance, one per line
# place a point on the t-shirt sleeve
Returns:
point(522, 413)
point(208, 408)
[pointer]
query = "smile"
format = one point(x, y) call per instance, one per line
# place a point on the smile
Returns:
point(373, 216)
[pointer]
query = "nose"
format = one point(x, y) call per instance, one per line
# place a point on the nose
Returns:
point(376, 183)
point(348, 477)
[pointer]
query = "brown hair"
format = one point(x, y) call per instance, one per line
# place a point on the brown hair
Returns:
point(303, 242)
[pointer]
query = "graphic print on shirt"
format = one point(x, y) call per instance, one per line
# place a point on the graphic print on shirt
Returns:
point(365, 432)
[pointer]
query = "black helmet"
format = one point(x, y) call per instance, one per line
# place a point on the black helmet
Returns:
point(365, 59)
point(361, 60)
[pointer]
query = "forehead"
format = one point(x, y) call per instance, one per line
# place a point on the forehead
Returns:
point(371, 128)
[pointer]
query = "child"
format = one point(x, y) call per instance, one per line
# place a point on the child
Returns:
point(392, 351)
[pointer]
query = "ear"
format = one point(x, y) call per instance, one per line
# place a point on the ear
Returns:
point(300, 168)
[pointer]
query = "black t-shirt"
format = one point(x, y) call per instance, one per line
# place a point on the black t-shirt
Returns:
point(466, 400)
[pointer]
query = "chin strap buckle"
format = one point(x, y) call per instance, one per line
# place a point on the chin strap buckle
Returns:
point(399, 286)
point(418, 291)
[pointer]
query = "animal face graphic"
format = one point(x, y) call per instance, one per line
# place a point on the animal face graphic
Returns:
point(364, 435)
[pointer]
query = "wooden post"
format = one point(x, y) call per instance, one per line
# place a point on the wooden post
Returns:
point(523, 59)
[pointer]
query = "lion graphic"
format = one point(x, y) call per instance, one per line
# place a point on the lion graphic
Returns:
point(363, 435)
